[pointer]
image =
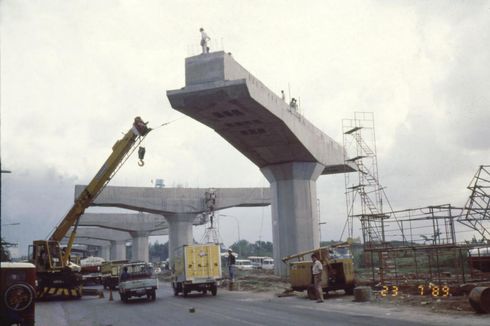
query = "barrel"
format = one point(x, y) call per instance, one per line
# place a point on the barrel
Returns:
point(480, 299)
point(362, 294)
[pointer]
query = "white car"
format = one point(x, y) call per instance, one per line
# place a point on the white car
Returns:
point(243, 264)
point(268, 263)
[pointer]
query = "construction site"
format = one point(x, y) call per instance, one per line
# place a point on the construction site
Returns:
point(434, 249)
point(246, 165)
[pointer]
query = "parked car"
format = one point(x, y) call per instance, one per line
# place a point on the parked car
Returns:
point(243, 264)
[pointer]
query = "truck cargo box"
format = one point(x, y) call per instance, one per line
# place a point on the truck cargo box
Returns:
point(196, 268)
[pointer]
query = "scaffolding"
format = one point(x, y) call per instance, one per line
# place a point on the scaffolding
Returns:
point(365, 196)
point(477, 207)
point(412, 246)
point(211, 234)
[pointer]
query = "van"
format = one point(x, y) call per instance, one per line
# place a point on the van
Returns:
point(243, 264)
point(268, 263)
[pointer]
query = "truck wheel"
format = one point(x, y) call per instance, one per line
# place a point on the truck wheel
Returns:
point(185, 291)
point(214, 290)
point(204, 291)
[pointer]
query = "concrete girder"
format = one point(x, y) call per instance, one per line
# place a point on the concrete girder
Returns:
point(290, 151)
point(165, 201)
point(125, 222)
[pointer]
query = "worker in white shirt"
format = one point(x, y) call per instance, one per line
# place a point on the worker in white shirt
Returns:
point(204, 41)
point(317, 270)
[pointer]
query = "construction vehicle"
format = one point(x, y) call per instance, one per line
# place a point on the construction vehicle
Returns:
point(136, 280)
point(17, 293)
point(196, 268)
point(56, 275)
point(110, 271)
point(90, 268)
point(338, 269)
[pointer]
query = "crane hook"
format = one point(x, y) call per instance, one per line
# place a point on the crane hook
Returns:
point(141, 155)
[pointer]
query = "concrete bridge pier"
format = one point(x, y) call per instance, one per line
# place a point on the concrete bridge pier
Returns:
point(118, 250)
point(294, 209)
point(139, 249)
point(179, 231)
point(105, 252)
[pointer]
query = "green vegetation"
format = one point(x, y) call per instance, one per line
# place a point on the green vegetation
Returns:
point(246, 249)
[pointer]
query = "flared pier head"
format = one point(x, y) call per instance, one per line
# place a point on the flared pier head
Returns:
point(289, 150)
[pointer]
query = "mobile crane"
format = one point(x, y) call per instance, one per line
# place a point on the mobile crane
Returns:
point(56, 275)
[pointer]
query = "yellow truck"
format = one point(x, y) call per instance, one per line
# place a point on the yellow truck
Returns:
point(338, 269)
point(110, 271)
point(196, 268)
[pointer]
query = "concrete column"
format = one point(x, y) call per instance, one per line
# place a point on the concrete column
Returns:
point(139, 249)
point(105, 252)
point(294, 209)
point(179, 231)
point(118, 250)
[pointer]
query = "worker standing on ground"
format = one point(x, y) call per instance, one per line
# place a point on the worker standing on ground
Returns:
point(317, 270)
point(231, 265)
point(124, 274)
point(204, 41)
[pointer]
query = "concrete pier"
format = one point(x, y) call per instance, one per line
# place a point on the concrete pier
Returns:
point(118, 250)
point(294, 207)
point(105, 252)
point(139, 247)
point(288, 149)
point(179, 232)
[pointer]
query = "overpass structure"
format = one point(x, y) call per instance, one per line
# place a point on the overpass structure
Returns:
point(112, 242)
point(288, 149)
point(174, 208)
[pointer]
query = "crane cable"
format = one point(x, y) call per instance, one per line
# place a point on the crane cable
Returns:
point(142, 150)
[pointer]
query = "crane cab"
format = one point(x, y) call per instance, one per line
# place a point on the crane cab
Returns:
point(55, 276)
point(46, 255)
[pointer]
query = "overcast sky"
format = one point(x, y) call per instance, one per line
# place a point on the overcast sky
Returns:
point(74, 74)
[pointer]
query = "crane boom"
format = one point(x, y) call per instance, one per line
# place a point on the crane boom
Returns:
point(56, 275)
point(120, 151)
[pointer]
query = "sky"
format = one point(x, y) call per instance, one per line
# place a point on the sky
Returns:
point(74, 74)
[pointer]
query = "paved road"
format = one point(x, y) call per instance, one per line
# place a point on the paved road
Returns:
point(234, 308)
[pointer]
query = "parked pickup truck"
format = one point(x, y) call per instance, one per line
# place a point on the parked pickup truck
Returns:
point(137, 280)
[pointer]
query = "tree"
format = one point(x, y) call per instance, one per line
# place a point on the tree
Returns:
point(4, 251)
point(246, 249)
point(159, 250)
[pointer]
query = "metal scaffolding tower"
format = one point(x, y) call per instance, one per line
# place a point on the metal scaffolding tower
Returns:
point(477, 207)
point(364, 194)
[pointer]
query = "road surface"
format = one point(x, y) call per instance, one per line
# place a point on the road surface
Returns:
point(235, 308)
